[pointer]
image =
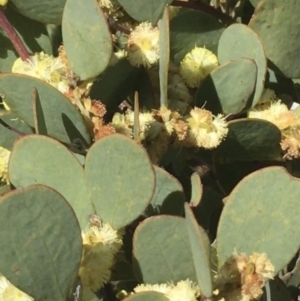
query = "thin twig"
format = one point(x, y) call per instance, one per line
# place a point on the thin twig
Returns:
point(13, 36)
point(199, 5)
point(11, 128)
point(112, 23)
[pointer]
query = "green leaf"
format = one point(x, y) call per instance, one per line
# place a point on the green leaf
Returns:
point(39, 159)
point(40, 242)
point(164, 57)
point(239, 41)
point(62, 119)
point(33, 34)
point(147, 296)
point(145, 10)
point(86, 38)
point(119, 178)
point(228, 88)
point(193, 28)
point(251, 139)
point(9, 136)
point(200, 246)
point(280, 42)
point(41, 10)
point(168, 197)
point(162, 251)
point(257, 212)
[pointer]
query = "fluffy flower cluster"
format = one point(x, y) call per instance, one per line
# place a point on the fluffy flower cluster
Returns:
point(206, 130)
point(287, 122)
point(143, 45)
point(184, 290)
point(242, 277)
point(100, 244)
point(159, 129)
point(196, 65)
point(4, 157)
point(50, 69)
point(9, 292)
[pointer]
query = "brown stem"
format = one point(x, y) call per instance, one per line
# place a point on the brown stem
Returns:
point(199, 5)
point(117, 26)
point(13, 36)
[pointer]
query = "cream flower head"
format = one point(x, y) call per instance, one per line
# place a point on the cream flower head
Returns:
point(206, 130)
point(143, 45)
point(9, 292)
point(100, 244)
point(184, 290)
point(4, 158)
point(196, 65)
point(276, 113)
point(45, 67)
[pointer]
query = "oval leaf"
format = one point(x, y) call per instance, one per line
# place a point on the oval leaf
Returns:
point(39, 159)
point(251, 139)
point(119, 178)
point(246, 45)
point(44, 11)
point(39, 226)
point(257, 212)
point(162, 250)
point(168, 197)
point(145, 10)
point(86, 37)
point(227, 89)
point(281, 43)
point(62, 119)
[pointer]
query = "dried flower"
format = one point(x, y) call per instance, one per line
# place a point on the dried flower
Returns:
point(143, 45)
point(9, 292)
point(196, 65)
point(276, 113)
point(291, 146)
point(4, 158)
point(242, 277)
point(206, 130)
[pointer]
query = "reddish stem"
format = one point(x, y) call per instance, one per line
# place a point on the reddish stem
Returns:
point(13, 36)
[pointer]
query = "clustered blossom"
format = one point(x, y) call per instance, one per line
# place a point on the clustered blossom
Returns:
point(9, 292)
point(50, 69)
point(196, 65)
point(184, 290)
point(206, 130)
point(158, 129)
point(242, 277)
point(143, 45)
point(100, 245)
point(286, 120)
point(4, 158)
